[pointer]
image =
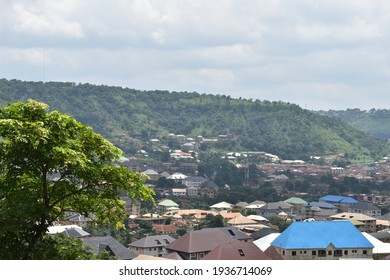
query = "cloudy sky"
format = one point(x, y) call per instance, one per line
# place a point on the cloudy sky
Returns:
point(331, 54)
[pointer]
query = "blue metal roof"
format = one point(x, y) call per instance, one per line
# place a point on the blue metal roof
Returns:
point(339, 199)
point(318, 235)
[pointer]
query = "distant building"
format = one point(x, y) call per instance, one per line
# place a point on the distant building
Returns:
point(342, 202)
point(166, 205)
point(366, 209)
point(368, 223)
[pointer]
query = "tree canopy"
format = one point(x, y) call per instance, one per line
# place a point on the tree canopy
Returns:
point(50, 163)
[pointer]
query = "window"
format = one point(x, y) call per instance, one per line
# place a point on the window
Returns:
point(313, 253)
point(294, 253)
point(241, 252)
point(330, 253)
point(338, 253)
point(346, 252)
point(354, 251)
point(364, 252)
point(166, 241)
point(158, 242)
point(322, 253)
point(231, 232)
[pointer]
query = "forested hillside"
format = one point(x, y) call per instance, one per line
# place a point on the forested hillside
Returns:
point(120, 114)
point(374, 122)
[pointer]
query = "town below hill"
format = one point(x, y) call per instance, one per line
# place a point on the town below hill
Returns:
point(245, 205)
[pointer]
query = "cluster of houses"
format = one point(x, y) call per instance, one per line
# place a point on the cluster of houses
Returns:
point(332, 228)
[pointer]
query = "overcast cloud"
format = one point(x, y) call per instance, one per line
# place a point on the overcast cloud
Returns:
point(332, 54)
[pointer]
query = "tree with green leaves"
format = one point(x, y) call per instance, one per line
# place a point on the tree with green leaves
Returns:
point(49, 164)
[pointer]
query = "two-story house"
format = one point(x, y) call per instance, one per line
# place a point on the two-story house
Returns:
point(151, 245)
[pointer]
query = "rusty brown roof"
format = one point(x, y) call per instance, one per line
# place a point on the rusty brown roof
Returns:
point(199, 241)
point(236, 250)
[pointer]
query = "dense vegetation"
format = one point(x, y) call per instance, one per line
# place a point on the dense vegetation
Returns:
point(374, 122)
point(120, 114)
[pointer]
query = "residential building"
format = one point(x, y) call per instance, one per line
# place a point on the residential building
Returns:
point(100, 244)
point(366, 209)
point(272, 209)
point(194, 181)
point(342, 202)
point(194, 245)
point(151, 245)
point(368, 223)
point(236, 250)
point(192, 191)
point(133, 208)
point(165, 229)
point(166, 205)
point(179, 192)
point(153, 175)
point(325, 240)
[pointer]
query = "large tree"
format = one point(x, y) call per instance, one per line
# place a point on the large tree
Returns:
point(49, 164)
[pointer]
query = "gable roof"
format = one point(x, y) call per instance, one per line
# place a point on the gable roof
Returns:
point(338, 199)
point(152, 241)
point(306, 235)
point(241, 220)
point(236, 250)
point(98, 244)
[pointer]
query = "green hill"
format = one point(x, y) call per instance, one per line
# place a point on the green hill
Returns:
point(374, 122)
point(275, 127)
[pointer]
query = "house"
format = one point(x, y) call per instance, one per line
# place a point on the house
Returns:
point(383, 235)
point(221, 206)
point(272, 209)
point(365, 208)
point(164, 229)
point(296, 203)
point(319, 211)
point(342, 202)
point(325, 240)
point(99, 244)
point(368, 223)
point(153, 175)
point(177, 177)
point(166, 205)
point(132, 207)
point(236, 250)
point(192, 191)
point(194, 181)
point(151, 245)
point(194, 245)
point(179, 192)
point(381, 249)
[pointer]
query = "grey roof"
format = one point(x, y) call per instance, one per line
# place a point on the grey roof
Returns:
point(276, 206)
point(381, 234)
point(152, 241)
point(75, 232)
point(320, 204)
point(210, 184)
point(385, 217)
point(100, 244)
point(364, 206)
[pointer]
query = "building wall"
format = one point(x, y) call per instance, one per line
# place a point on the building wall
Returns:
point(325, 254)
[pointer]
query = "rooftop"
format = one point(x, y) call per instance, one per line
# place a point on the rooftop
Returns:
point(306, 235)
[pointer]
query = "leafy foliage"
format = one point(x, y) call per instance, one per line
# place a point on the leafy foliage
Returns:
point(50, 163)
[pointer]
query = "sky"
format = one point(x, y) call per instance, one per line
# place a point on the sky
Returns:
point(320, 55)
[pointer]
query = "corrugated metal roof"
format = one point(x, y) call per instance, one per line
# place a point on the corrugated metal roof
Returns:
point(306, 235)
point(236, 250)
point(152, 241)
point(320, 204)
point(339, 199)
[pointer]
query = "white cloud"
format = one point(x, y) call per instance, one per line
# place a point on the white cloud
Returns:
point(303, 51)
